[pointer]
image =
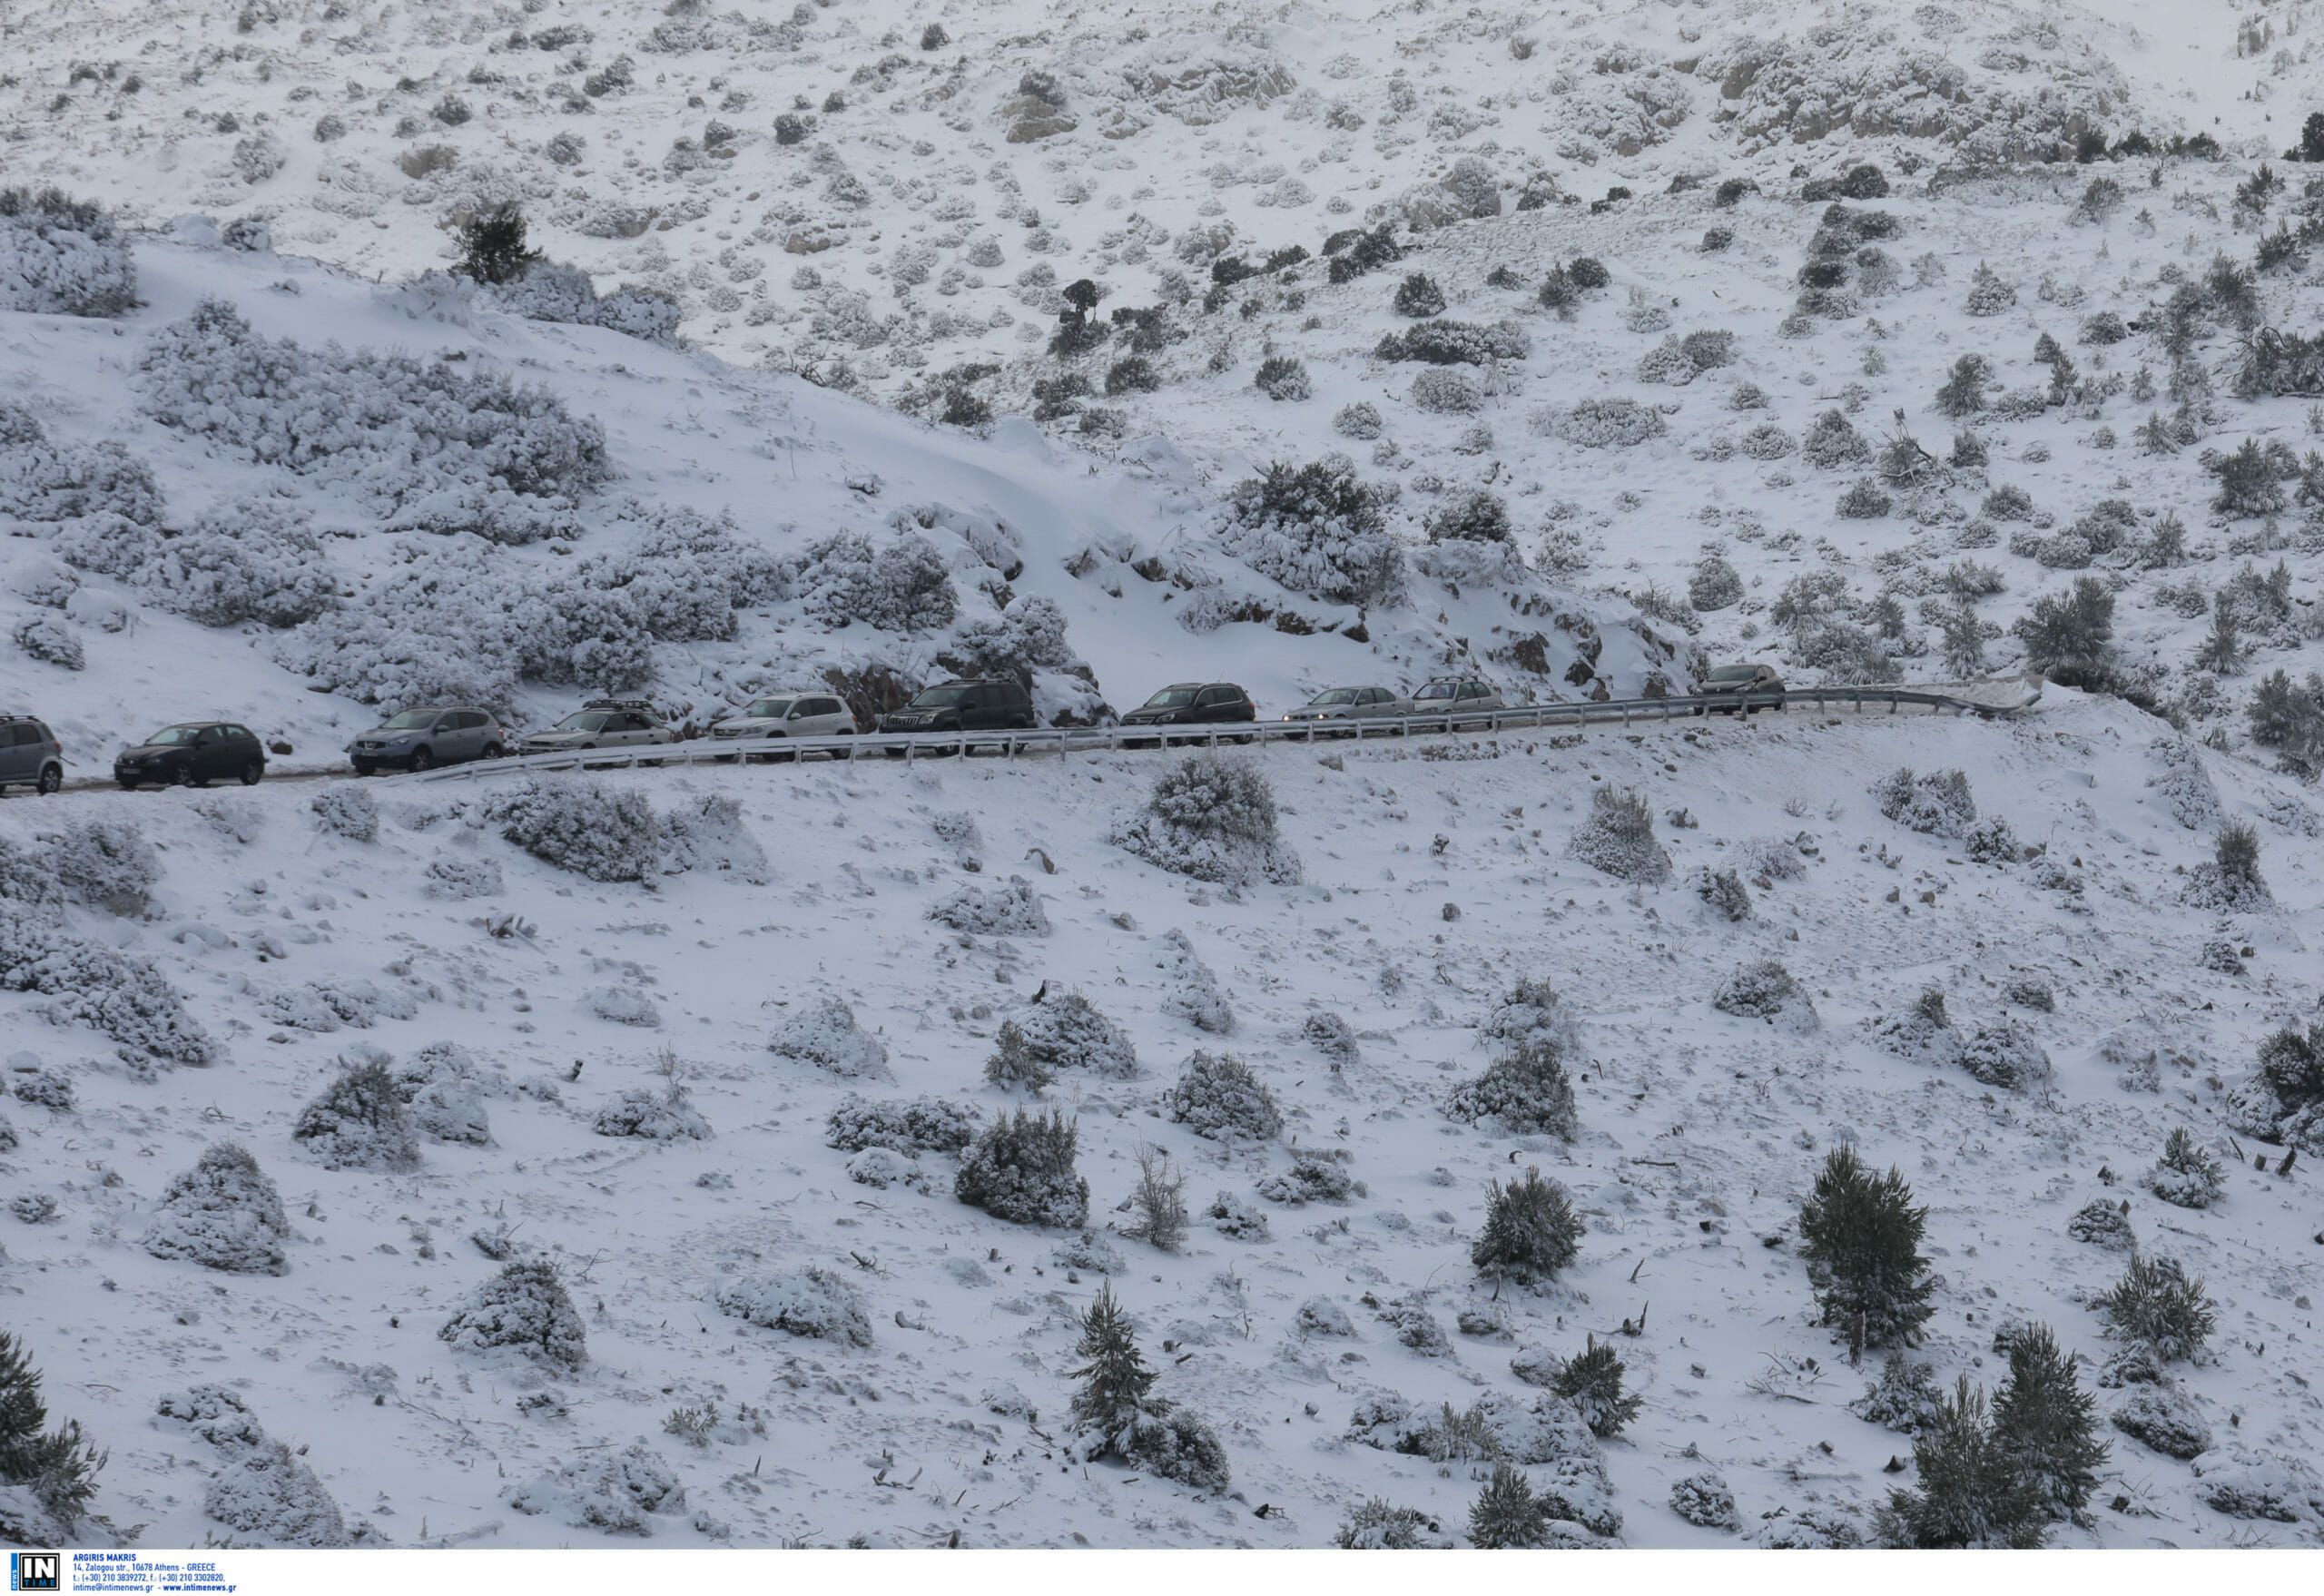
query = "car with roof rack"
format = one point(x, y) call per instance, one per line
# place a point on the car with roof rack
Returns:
point(30, 754)
point(602, 722)
point(1193, 705)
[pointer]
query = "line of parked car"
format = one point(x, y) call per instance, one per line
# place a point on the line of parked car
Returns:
point(196, 752)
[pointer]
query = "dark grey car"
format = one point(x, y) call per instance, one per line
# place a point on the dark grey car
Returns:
point(422, 739)
point(30, 754)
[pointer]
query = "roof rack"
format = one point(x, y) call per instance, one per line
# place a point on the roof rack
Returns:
point(640, 704)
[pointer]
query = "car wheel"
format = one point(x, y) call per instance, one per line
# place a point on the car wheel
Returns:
point(367, 767)
point(423, 759)
point(52, 777)
point(127, 783)
point(251, 771)
point(492, 750)
point(182, 776)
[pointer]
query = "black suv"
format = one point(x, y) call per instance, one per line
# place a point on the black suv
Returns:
point(989, 706)
point(192, 755)
point(1195, 703)
point(30, 754)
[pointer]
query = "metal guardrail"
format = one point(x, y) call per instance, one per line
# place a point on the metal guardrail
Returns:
point(1069, 740)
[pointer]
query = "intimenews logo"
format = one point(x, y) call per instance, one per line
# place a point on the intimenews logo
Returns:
point(37, 1570)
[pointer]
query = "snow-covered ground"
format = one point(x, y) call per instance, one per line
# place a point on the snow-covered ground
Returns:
point(863, 463)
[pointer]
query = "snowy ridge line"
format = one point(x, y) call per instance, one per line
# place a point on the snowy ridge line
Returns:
point(1063, 741)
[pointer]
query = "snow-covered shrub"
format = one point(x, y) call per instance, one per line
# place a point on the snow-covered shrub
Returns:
point(48, 639)
point(1861, 1236)
point(1905, 1398)
point(1526, 1091)
point(2187, 1174)
point(1012, 911)
point(1831, 442)
point(576, 825)
point(1029, 636)
point(2006, 1055)
point(1923, 1033)
point(1991, 839)
point(881, 1168)
point(1218, 1097)
point(1320, 1316)
point(1618, 838)
point(552, 291)
point(2231, 880)
point(214, 1412)
point(1021, 1169)
point(1722, 891)
point(266, 1491)
point(1376, 1524)
point(1315, 530)
point(224, 1213)
point(254, 559)
point(1360, 420)
point(619, 1491)
point(923, 1125)
point(1313, 1178)
point(1604, 423)
point(813, 1302)
point(1456, 343)
point(105, 863)
point(1937, 804)
point(707, 834)
point(1192, 992)
point(1988, 294)
point(1471, 516)
point(34, 1082)
point(1532, 1012)
point(1415, 1326)
point(1864, 500)
point(2185, 784)
point(358, 1120)
point(903, 586)
point(441, 1084)
point(2163, 1417)
point(325, 1006)
point(2154, 1304)
point(89, 983)
point(1236, 1219)
point(1716, 584)
point(1067, 1032)
point(1703, 1498)
point(2280, 1488)
point(1530, 1231)
point(1418, 295)
point(438, 446)
point(652, 1116)
point(2102, 1224)
point(526, 1310)
point(1284, 378)
point(1766, 442)
point(1213, 819)
point(346, 809)
point(62, 256)
point(824, 1033)
point(1331, 1035)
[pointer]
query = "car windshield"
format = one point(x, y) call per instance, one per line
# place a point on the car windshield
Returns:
point(174, 734)
point(411, 720)
point(1734, 672)
point(1436, 690)
point(1333, 695)
point(767, 709)
point(1171, 698)
point(938, 698)
point(582, 721)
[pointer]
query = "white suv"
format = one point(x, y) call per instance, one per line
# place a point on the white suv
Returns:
point(789, 714)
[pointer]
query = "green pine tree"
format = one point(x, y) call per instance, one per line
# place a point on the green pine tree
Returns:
point(1592, 1382)
point(1116, 1374)
point(1530, 1231)
point(2048, 1425)
point(1863, 1239)
point(59, 1466)
point(1506, 1516)
point(1974, 1495)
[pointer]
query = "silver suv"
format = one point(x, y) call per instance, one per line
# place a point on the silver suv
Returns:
point(789, 714)
point(602, 722)
point(422, 739)
point(30, 755)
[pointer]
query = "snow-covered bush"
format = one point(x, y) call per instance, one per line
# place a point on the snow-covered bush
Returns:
point(1029, 636)
point(2230, 880)
point(2102, 1224)
point(824, 1033)
point(1532, 1012)
point(903, 586)
point(1530, 1231)
point(1315, 1177)
point(440, 447)
point(2006, 1055)
point(214, 1412)
point(89, 983)
point(1320, 1316)
point(1831, 442)
point(1526, 1091)
point(346, 809)
point(62, 256)
point(576, 824)
point(707, 834)
point(2187, 1174)
point(358, 1120)
point(552, 291)
point(652, 1116)
point(224, 1213)
point(1716, 584)
point(813, 1302)
point(1937, 804)
point(1331, 1035)
point(881, 1168)
point(623, 1005)
point(1618, 838)
point(441, 1084)
point(1456, 343)
point(1192, 992)
point(1703, 1498)
point(524, 1309)
point(1213, 819)
point(1360, 420)
point(1316, 529)
point(2278, 1488)
point(1067, 1032)
point(1470, 516)
point(923, 1125)
point(266, 1491)
point(1012, 911)
point(1991, 839)
point(105, 865)
point(619, 1492)
point(1923, 1033)
point(1763, 989)
point(1376, 1524)
point(254, 559)
point(1021, 1169)
point(1446, 391)
point(1218, 1097)
point(1236, 1219)
point(1284, 378)
point(31, 1081)
point(1905, 1398)
point(2163, 1417)
point(2156, 1305)
point(47, 638)
point(1722, 891)
point(324, 1006)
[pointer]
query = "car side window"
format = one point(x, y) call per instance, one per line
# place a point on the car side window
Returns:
point(26, 734)
point(1210, 697)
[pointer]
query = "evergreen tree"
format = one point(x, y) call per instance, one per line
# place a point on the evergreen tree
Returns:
point(1013, 1064)
point(1116, 1374)
point(492, 244)
point(1530, 1231)
point(2047, 1424)
point(1972, 1496)
point(1964, 392)
point(1592, 1382)
point(1863, 1238)
point(2073, 631)
point(58, 1467)
point(1507, 1516)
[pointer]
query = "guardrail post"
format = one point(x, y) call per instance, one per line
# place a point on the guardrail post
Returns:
point(1892, 704)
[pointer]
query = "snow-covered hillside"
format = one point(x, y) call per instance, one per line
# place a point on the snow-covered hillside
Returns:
point(1300, 346)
